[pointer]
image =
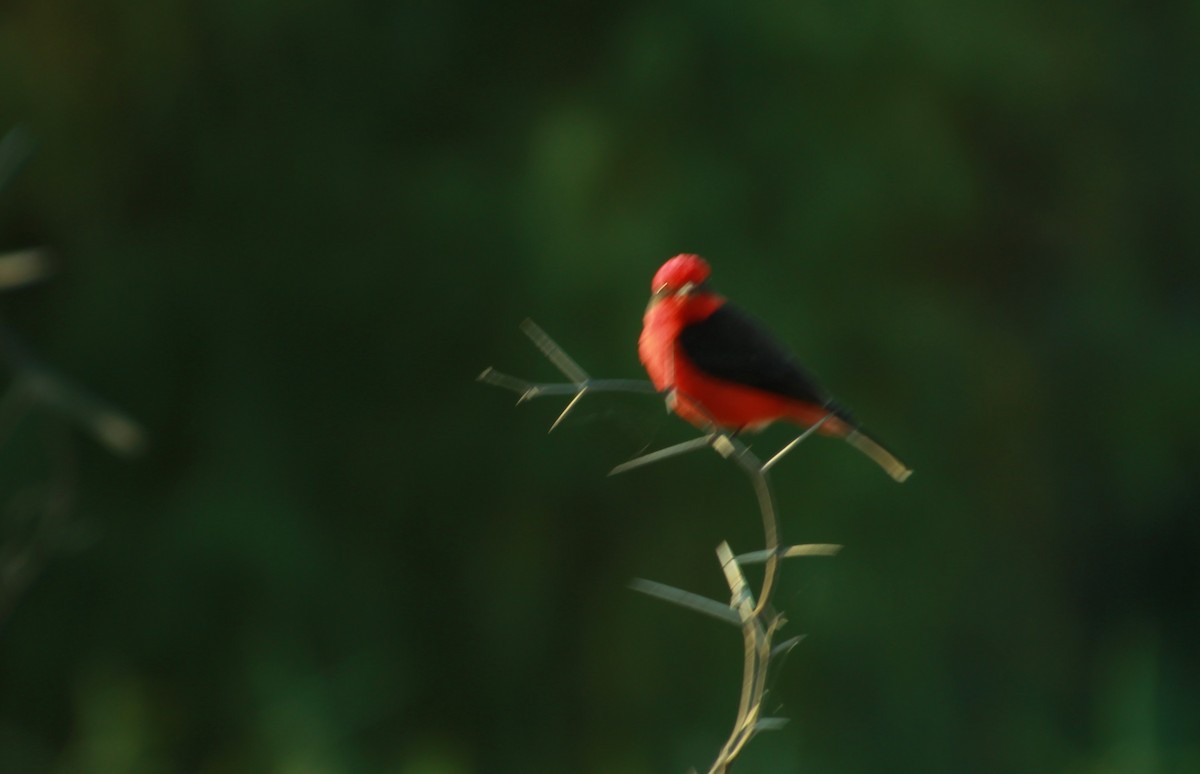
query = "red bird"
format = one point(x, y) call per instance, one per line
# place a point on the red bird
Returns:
point(721, 368)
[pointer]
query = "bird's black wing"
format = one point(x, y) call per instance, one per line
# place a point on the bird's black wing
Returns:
point(732, 346)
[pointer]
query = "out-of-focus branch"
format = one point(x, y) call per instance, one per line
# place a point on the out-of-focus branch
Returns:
point(25, 267)
point(38, 524)
point(38, 519)
point(757, 619)
point(36, 384)
point(15, 149)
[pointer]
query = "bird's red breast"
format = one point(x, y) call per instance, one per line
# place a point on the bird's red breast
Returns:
point(659, 351)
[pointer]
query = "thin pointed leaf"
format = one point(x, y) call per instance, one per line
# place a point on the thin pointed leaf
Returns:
point(811, 549)
point(770, 724)
point(806, 549)
point(574, 402)
point(795, 442)
point(554, 353)
point(661, 454)
point(785, 647)
point(686, 599)
point(504, 381)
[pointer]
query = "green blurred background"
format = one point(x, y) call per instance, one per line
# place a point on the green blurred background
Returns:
point(290, 234)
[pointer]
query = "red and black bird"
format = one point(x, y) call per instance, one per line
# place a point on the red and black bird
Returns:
point(722, 369)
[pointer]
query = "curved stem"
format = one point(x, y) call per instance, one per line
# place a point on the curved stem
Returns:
point(759, 623)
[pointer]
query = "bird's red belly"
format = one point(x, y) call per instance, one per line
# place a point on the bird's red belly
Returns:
point(704, 401)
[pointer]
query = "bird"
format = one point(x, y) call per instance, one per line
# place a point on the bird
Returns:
point(723, 370)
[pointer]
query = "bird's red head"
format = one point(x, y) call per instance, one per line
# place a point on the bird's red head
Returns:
point(682, 271)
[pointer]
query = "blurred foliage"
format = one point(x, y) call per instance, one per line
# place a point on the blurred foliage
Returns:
point(289, 234)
